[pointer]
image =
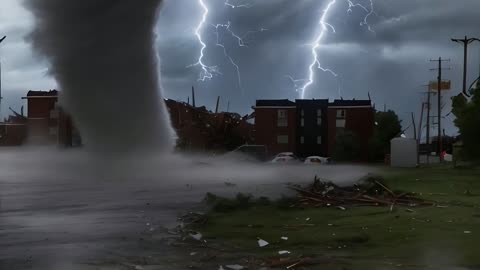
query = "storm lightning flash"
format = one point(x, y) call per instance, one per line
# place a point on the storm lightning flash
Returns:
point(370, 12)
point(324, 28)
point(241, 43)
point(242, 4)
point(208, 72)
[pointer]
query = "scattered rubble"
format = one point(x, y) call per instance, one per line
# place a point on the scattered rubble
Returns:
point(262, 243)
point(196, 236)
point(235, 267)
point(370, 191)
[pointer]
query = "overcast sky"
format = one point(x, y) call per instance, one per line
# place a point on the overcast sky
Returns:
point(391, 63)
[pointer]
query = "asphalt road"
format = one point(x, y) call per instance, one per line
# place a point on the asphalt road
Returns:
point(66, 210)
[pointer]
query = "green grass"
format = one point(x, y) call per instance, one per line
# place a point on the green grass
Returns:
point(368, 237)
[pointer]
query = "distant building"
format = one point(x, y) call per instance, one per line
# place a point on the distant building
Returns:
point(311, 127)
point(356, 116)
point(13, 130)
point(276, 125)
point(47, 123)
point(201, 130)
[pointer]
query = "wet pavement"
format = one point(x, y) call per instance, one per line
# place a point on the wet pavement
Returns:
point(63, 214)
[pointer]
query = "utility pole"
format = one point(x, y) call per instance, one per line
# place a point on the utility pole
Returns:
point(419, 136)
point(193, 96)
point(439, 89)
point(218, 104)
point(466, 41)
point(415, 136)
point(414, 126)
point(429, 102)
point(2, 39)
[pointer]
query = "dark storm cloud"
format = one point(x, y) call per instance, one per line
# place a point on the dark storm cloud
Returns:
point(391, 64)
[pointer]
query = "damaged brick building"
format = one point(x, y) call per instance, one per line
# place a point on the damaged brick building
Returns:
point(197, 128)
point(45, 123)
point(201, 130)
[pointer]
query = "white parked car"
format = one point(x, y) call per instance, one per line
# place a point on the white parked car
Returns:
point(317, 160)
point(284, 159)
point(286, 154)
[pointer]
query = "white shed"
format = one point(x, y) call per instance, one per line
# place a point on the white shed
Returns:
point(403, 153)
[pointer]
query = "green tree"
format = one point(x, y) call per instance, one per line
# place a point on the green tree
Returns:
point(387, 127)
point(467, 113)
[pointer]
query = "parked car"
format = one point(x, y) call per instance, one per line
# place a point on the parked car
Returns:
point(284, 159)
point(287, 154)
point(317, 160)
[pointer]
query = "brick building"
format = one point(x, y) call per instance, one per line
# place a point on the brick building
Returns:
point(202, 130)
point(46, 122)
point(311, 127)
point(357, 116)
point(276, 125)
point(13, 130)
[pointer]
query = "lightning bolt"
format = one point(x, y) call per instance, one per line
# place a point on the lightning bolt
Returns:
point(207, 72)
point(324, 27)
point(241, 43)
point(243, 4)
point(370, 12)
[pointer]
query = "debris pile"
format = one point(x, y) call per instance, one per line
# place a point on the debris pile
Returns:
point(369, 191)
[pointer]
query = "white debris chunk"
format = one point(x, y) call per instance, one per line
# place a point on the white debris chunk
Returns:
point(197, 236)
point(284, 238)
point(467, 232)
point(262, 243)
point(235, 267)
point(283, 252)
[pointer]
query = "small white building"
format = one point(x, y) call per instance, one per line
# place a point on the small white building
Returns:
point(403, 153)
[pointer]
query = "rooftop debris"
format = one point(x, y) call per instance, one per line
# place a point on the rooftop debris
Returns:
point(369, 191)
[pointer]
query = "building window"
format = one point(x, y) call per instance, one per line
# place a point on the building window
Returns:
point(302, 140)
point(341, 114)
point(302, 122)
point(282, 139)
point(53, 131)
point(282, 118)
point(54, 114)
point(319, 139)
point(302, 113)
point(319, 117)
